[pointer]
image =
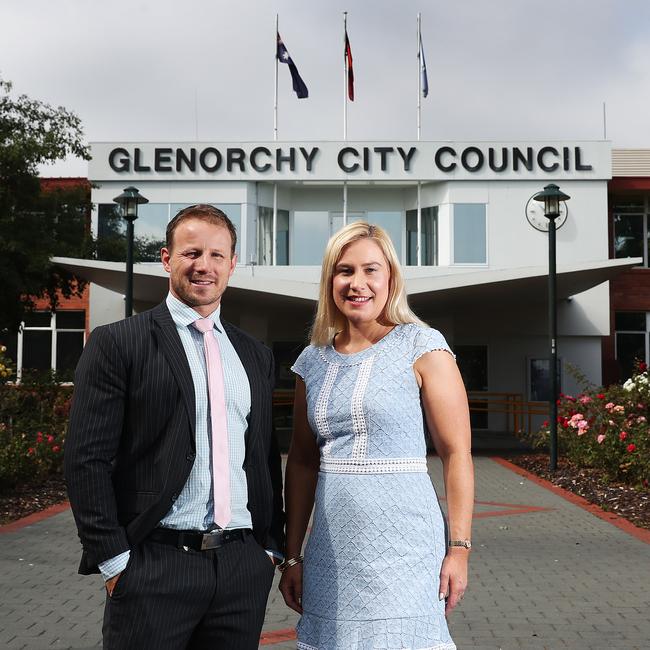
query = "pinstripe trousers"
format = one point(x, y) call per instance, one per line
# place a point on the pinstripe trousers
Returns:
point(171, 599)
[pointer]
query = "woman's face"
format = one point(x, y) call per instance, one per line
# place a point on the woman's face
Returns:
point(361, 281)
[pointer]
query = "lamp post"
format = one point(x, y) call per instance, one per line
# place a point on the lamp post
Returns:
point(551, 197)
point(129, 201)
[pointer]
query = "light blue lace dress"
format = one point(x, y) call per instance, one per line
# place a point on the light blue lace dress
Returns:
point(372, 560)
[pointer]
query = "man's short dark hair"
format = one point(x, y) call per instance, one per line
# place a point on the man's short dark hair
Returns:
point(203, 212)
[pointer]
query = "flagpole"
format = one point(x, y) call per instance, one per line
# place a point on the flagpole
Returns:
point(418, 247)
point(345, 110)
point(275, 138)
point(419, 37)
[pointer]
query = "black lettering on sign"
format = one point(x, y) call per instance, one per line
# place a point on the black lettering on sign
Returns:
point(123, 163)
point(438, 159)
point(492, 159)
point(205, 156)
point(406, 157)
point(540, 159)
point(342, 154)
point(290, 158)
point(579, 166)
point(519, 157)
point(162, 160)
point(235, 156)
point(137, 165)
point(309, 156)
point(383, 152)
point(254, 164)
point(475, 153)
point(183, 159)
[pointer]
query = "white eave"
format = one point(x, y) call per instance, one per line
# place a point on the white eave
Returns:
point(444, 284)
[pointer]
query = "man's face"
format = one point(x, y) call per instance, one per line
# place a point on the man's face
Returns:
point(199, 264)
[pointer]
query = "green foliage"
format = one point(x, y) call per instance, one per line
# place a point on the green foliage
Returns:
point(33, 421)
point(606, 428)
point(36, 225)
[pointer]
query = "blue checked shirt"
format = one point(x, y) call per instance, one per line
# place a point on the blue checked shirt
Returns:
point(193, 510)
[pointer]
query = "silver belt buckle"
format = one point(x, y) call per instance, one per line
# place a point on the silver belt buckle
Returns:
point(211, 540)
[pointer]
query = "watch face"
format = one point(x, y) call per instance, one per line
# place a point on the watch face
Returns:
point(536, 218)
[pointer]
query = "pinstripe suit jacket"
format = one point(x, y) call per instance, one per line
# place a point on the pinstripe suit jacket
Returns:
point(131, 439)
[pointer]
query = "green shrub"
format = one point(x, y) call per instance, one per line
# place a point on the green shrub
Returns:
point(33, 422)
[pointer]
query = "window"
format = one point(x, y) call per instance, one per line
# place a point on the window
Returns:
point(473, 365)
point(309, 236)
point(539, 385)
point(149, 229)
point(470, 233)
point(632, 332)
point(631, 237)
point(265, 237)
point(51, 341)
point(428, 236)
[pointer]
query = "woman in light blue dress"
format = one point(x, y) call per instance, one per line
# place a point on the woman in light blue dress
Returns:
point(381, 568)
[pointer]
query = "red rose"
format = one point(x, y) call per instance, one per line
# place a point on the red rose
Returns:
point(631, 447)
point(50, 439)
point(545, 423)
point(600, 396)
point(39, 436)
point(622, 435)
point(643, 366)
point(30, 451)
point(56, 449)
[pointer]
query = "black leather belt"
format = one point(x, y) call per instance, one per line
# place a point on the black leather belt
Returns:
point(192, 539)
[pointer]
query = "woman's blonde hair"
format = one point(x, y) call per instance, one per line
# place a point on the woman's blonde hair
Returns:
point(329, 320)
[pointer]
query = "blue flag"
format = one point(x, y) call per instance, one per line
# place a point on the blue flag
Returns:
point(423, 70)
point(299, 86)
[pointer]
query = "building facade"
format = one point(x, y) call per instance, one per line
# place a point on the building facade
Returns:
point(459, 213)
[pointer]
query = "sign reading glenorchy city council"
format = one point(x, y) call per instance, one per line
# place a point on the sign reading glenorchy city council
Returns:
point(351, 160)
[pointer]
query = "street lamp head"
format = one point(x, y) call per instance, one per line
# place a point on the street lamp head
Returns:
point(129, 201)
point(551, 197)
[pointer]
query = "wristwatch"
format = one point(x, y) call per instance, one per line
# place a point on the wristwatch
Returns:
point(465, 543)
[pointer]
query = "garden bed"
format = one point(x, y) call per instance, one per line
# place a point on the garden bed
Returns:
point(24, 500)
point(630, 503)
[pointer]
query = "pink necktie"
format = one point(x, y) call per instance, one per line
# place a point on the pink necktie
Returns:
point(220, 456)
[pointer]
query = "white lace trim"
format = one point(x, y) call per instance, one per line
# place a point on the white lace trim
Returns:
point(359, 426)
point(320, 412)
point(372, 465)
point(440, 646)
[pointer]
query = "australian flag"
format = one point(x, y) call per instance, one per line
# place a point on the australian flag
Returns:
point(299, 86)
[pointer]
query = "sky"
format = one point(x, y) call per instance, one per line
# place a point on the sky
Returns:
point(159, 70)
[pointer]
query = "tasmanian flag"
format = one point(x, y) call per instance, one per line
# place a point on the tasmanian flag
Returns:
point(348, 59)
point(424, 81)
point(299, 86)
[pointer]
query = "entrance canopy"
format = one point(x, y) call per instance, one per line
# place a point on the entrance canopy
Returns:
point(451, 286)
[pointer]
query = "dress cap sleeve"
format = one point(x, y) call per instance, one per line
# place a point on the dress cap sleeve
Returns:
point(428, 339)
point(302, 362)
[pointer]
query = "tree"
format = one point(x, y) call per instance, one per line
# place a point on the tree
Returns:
point(35, 225)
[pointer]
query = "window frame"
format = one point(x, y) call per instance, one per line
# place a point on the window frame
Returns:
point(52, 328)
point(645, 242)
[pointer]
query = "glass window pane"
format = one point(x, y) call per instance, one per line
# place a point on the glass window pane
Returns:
point(391, 222)
point(469, 233)
point(428, 239)
point(70, 320)
point(264, 236)
point(629, 348)
point(628, 235)
point(38, 319)
point(629, 204)
point(111, 237)
point(633, 321)
point(37, 350)
point(282, 239)
point(311, 231)
point(149, 231)
point(68, 350)
point(540, 389)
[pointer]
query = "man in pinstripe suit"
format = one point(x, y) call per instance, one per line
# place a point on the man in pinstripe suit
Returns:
point(138, 460)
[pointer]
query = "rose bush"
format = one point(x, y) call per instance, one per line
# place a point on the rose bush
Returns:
point(33, 422)
point(606, 428)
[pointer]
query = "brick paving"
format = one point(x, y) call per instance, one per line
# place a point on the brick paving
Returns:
point(545, 573)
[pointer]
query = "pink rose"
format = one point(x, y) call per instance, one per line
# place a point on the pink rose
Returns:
point(600, 439)
point(622, 435)
point(585, 399)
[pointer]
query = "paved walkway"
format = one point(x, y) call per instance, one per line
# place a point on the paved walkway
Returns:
point(545, 573)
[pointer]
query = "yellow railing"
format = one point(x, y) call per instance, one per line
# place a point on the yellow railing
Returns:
point(517, 410)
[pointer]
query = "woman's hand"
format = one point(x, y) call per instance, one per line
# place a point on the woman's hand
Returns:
point(291, 587)
point(453, 577)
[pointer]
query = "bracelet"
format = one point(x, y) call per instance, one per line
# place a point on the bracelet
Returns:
point(464, 543)
point(292, 561)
